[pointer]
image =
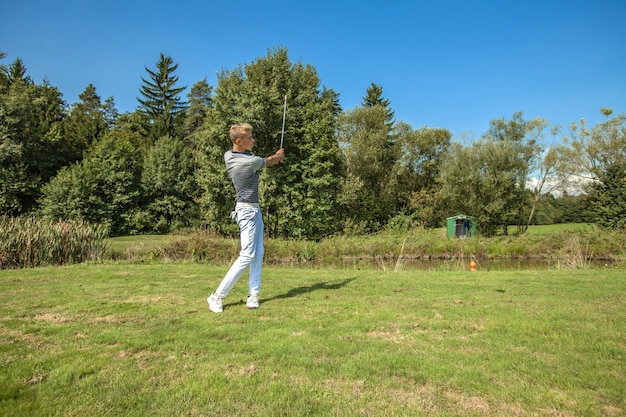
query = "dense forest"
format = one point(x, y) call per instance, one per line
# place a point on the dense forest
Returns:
point(160, 168)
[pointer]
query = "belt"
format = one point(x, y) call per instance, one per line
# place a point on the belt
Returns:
point(240, 204)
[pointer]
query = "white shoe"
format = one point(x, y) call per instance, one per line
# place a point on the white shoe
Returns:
point(215, 303)
point(253, 302)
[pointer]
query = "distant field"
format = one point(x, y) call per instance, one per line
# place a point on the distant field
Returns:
point(139, 245)
point(553, 228)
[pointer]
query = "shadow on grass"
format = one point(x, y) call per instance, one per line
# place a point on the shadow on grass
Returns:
point(295, 292)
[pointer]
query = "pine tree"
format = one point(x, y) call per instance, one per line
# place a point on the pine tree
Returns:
point(200, 100)
point(86, 122)
point(374, 97)
point(161, 102)
point(17, 72)
point(4, 73)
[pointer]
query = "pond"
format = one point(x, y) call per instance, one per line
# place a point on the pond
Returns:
point(459, 264)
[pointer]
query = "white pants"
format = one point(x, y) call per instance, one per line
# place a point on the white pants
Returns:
point(250, 223)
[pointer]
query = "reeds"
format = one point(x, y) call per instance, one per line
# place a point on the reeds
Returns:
point(27, 242)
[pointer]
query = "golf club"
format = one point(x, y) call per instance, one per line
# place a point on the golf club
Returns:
point(282, 135)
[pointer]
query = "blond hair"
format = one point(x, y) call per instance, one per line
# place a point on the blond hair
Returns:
point(239, 131)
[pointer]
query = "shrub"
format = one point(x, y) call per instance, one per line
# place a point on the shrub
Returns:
point(28, 242)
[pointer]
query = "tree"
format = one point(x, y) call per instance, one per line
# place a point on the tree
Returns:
point(88, 121)
point(102, 188)
point(298, 197)
point(374, 97)
point(17, 73)
point(366, 138)
point(4, 73)
point(30, 140)
point(169, 187)
point(200, 101)
point(602, 151)
point(482, 180)
point(608, 197)
point(523, 136)
point(161, 101)
point(572, 207)
point(418, 168)
point(369, 152)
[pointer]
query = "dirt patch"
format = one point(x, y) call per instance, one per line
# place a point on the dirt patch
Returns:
point(36, 379)
point(469, 403)
point(391, 336)
point(250, 370)
point(609, 410)
point(110, 319)
point(17, 335)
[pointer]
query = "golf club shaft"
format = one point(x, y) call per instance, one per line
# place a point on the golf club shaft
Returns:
point(282, 135)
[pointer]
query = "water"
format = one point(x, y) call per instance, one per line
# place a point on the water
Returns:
point(457, 264)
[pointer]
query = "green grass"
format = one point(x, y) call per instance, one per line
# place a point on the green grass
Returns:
point(137, 339)
point(135, 247)
point(554, 228)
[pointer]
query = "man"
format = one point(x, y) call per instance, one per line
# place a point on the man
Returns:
point(243, 168)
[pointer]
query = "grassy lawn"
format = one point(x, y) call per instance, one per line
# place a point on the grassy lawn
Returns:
point(127, 339)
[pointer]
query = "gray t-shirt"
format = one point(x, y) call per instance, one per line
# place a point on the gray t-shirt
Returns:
point(243, 169)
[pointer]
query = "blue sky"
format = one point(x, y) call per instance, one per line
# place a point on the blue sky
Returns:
point(450, 64)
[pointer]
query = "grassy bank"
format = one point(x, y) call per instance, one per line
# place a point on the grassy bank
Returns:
point(563, 246)
point(137, 339)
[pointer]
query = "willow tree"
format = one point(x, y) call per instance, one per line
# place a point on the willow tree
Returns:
point(298, 197)
point(523, 137)
point(488, 179)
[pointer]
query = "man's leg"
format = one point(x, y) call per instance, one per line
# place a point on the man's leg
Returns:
point(246, 218)
point(256, 265)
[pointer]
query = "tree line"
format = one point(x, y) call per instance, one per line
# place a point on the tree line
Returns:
point(160, 167)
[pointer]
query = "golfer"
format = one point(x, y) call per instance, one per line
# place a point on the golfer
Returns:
point(243, 168)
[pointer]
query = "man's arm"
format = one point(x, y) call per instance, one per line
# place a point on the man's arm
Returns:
point(276, 158)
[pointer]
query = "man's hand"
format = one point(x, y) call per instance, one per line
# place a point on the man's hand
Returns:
point(276, 158)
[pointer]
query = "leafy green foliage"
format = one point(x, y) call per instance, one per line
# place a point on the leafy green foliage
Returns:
point(418, 168)
point(487, 179)
point(169, 187)
point(103, 188)
point(608, 197)
point(370, 153)
point(603, 154)
point(31, 143)
point(298, 195)
point(200, 100)
point(87, 121)
point(357, 171)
